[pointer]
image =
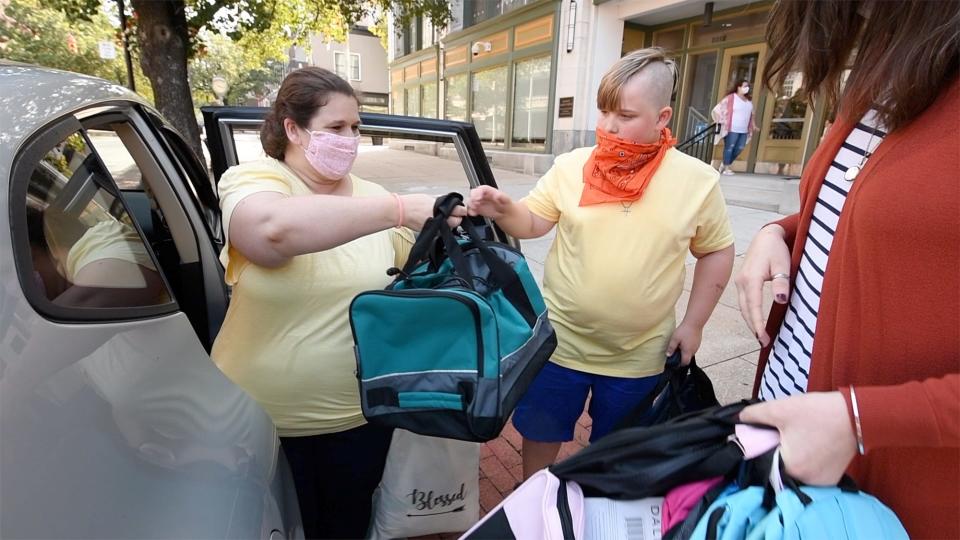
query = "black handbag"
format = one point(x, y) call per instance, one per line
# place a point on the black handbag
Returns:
point(680, 390)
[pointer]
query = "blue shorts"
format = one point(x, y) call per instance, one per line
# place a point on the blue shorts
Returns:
point(548, 412)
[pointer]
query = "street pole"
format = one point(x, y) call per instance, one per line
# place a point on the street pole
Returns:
point(126, 47)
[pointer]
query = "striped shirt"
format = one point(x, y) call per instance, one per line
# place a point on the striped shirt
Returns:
point(788, 367)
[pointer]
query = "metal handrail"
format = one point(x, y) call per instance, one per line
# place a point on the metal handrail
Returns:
point(700, 145)
point(694, 118)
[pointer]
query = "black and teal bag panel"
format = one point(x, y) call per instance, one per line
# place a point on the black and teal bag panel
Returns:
point(450, 346)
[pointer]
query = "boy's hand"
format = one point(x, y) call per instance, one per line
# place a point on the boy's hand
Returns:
point(489, 202)
point(688, 338)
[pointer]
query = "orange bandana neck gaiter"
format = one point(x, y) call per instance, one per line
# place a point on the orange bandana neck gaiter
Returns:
point(619, 170)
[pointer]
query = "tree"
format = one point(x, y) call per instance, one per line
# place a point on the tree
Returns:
point(167, 31)
point(247, 67)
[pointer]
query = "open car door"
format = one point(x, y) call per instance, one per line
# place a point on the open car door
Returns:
point(395, 152)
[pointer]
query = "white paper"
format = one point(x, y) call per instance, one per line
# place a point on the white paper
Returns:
point(607, 519)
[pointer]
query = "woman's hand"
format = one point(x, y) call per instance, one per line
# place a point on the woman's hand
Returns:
point(767, 259)
point(816, 437)
point(489, 202)
point(418, 208)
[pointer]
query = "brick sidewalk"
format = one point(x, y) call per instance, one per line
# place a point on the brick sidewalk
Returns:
point(501, 467)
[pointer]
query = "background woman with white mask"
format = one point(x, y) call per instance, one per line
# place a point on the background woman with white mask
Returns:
point(734, 113)
point(304, 236)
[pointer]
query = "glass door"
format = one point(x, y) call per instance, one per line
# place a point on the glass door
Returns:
point(743, 63)
point(785, 128)
point(703, 70)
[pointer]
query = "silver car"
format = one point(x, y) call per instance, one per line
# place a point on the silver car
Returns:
point(114, 422)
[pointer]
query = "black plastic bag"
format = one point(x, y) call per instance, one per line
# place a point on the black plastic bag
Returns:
point(680, 390)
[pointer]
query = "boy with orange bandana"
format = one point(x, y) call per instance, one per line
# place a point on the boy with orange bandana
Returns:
point(628, 211)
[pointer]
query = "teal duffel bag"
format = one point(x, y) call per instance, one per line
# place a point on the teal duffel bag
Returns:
point(451, 345)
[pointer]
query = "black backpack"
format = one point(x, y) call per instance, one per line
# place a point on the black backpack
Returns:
point(638, 462)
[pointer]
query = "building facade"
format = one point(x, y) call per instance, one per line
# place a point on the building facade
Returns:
point(526, 74)
point(361, 59)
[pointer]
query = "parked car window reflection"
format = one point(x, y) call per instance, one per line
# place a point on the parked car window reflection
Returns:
point(85, 250)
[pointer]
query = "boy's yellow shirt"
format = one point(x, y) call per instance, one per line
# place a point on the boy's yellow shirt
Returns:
point(286, 339)
point(615, 270)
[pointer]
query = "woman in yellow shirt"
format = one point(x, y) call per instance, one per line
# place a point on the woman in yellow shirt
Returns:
point(304, 236)
point(627, 213)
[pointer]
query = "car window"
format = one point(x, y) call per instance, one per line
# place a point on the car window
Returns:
point(247, 142)
point(402, 154)
point(392, 162)
point(396, 164)
point(85, 248)
point(195, 173)
point(116, 158)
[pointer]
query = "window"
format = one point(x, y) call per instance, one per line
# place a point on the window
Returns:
point(531, 92)
point(426, 30)
point(116, 158)
point(789, 109)
point(489, 112)
point(413, 101)
point(429, 107)
point(485, 10)
point(351, 73)
point(396, 101)
point(670, 40)
point(85, 248)
point(455, 100)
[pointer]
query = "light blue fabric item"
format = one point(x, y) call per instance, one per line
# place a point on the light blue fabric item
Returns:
point(830, 513)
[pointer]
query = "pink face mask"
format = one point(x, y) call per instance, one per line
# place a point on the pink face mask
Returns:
point(330, 154)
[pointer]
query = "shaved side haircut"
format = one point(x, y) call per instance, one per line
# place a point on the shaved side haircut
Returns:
point(658, 71)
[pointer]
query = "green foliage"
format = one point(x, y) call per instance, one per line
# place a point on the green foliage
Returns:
point(245, 41)
point(43, 36)
point(247, 67)
point(240, 40)
point(37, 34)
point(280, 23)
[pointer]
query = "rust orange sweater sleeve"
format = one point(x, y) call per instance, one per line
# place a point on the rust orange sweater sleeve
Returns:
point(789, 224)
point(914, 414)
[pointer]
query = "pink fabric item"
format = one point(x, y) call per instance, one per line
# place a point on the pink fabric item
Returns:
point(755, 441)
point(330, 154)
point(681, 499)
point(531, 510)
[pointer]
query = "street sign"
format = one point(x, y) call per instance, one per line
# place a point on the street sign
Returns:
point(107, 50)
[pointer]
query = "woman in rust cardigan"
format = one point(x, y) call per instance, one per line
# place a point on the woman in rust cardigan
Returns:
point(861, 351)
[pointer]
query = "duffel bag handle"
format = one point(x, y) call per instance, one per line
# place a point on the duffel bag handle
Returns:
point(432, 230)
point(503, 275)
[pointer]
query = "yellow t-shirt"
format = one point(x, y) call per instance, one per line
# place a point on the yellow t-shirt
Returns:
point(108, 239)
point(615, 270)
point(286, 339)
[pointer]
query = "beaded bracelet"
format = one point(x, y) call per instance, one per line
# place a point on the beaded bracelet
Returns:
point(399, 211)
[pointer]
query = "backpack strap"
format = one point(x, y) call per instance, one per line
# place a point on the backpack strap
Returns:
point(504, 276)
point(563, 508)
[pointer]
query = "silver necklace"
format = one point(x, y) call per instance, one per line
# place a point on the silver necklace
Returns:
point(851, 174)
point(626, 207)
